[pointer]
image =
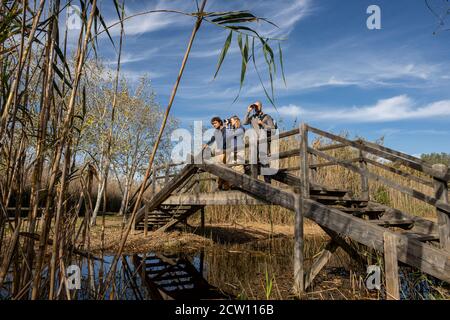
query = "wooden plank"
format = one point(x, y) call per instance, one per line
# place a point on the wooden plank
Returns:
point(409, 191)
point(214, 198)
point(384, 154)
point(332, 147)
point(395, 152)
point(443, 217)
point(391, 267)
point(364, 179)
point(327, 164)
point(202, 219)
point(393, 222)
point(320, 262)
point(145, 221)
point(304, 168)
point(257, 188)
point(299, 272)
point(421, 225)
point(399, 172)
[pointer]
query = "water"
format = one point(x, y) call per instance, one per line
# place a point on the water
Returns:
point(253, 270)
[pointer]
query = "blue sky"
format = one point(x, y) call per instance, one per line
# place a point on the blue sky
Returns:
point(341, 76)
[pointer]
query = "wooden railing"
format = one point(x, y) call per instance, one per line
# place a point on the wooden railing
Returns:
point(439, 175)
point(434, 176)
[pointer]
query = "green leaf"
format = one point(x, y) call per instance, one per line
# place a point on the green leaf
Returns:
point(100, 17)
point(61, 75)
point(259, 75)
point(63, 59)
point(280, 53)
point(224, 52)
point(244, 54)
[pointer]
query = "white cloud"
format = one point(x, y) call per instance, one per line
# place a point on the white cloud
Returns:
point(153, 21)
point(393, 109)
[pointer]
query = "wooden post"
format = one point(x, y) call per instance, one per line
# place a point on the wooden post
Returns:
point(364, 179)
point(299, 274)
point(202, 219)
point(313, 171)
point(391, 267)
point(166, 179)
point(254, 171)
point(146, 221)
point(197, 184)
point(443, 218)
point(154, 181)
point(304, 166)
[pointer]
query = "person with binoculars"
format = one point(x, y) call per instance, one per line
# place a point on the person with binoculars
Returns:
point(263, 124)
point(229, 138)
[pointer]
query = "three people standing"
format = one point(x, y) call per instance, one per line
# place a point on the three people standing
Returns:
point(229, 138)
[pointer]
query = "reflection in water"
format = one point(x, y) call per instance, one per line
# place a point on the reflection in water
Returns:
point(174, 277)
point(243, 270)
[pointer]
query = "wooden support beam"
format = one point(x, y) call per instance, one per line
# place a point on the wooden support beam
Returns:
point(145, 221)
point(391, 267)
point(364, 178)
point(213, 198)
point(153, 182)
point(257, 188)
point(167, 174)
point(299, 209)
point(202, 225)
point(443, 217)
point(320, 262)
point(341, 242)
point(299, 272)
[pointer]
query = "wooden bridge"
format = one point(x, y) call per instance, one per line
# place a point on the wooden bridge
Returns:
point(412, 240)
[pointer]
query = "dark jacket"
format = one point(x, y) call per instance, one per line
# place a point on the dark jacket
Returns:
point(253, 118)
point(220, 137)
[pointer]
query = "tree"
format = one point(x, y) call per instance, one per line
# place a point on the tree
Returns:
point(135, 133)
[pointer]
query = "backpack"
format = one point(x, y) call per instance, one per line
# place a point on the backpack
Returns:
point(275, 124)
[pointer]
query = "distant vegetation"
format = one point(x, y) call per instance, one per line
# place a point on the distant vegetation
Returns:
point(435, 157)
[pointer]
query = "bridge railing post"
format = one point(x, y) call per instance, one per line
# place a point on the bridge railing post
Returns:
point(443, 217)
point(364, 178)
point(299, 271)
point(167, 173)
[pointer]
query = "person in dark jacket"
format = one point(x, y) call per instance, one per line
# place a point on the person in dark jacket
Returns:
point(219, 137)
point(260, 121)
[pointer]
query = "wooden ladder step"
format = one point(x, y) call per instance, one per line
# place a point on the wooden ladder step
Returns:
point(393, 222)
point(421, 236)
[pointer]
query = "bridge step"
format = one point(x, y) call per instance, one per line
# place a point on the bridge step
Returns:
point(421, 236)
point(407, 223)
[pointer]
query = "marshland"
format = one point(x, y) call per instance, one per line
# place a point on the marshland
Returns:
point(87, 162)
